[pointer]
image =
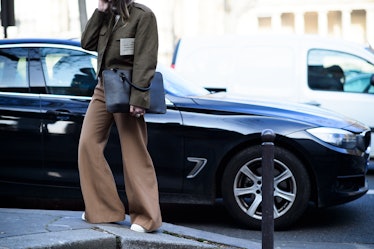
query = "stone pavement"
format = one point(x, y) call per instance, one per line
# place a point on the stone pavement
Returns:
point(42, 229)
point(39, 229)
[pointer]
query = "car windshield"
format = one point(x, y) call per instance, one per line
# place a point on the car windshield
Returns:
point(176, 85)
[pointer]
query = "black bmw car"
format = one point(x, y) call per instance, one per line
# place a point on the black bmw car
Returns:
point(206, 147)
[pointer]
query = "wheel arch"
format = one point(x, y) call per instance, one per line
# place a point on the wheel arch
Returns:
point(280, 141)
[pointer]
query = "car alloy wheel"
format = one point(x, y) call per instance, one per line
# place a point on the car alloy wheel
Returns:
point(242, 188)
point(248, 188)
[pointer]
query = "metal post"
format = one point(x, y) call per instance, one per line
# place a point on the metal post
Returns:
point(268, 138)
point(5, 32)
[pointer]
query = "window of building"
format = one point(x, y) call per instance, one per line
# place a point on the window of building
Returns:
point(358, 26)
point(335, 23)
point(311, 23)
point(288, 22)
point(264, 23)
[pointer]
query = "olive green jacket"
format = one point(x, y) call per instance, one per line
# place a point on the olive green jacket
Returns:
point(101, 34)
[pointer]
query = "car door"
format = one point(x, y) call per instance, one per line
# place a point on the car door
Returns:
point(70, 76)
point(20, 138)
point(70, 79)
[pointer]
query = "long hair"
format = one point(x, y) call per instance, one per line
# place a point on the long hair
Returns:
point(121, 7)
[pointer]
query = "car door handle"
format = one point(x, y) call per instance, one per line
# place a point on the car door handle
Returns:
point(63, 115)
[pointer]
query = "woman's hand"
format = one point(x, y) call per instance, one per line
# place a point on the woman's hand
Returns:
point(104, 5)
point(136, 111)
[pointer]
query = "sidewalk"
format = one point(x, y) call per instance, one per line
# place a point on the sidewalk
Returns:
point(25, 228)
point(42, 229)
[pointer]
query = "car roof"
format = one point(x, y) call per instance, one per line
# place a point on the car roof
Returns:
point(71, 42)
point(274, 38)
point(188, 45)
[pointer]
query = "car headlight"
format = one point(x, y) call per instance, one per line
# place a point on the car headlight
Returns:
point(337, 137)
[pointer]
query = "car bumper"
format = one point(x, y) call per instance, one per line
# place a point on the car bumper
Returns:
point(338, 177)
point(350, 182)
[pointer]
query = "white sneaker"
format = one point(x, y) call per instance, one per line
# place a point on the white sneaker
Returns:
point(84, 216)
point(138, 228)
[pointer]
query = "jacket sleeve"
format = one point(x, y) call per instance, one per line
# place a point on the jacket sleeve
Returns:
point(145, 57)
point(90, 35)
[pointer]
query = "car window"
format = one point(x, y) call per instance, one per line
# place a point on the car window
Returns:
point(13, 68)
point(338, 71)
point(69, 72)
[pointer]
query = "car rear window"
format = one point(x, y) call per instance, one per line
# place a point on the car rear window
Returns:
point(13, 70)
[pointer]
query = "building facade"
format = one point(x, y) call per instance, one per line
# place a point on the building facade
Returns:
point(347, 19)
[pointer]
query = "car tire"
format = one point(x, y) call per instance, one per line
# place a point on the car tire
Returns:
point(241, 188)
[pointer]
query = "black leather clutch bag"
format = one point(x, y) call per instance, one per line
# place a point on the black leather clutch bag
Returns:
point(118, 85)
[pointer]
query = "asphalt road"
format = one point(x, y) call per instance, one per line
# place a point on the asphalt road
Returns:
point(351, 223)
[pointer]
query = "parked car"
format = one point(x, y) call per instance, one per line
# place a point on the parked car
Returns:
point(207, 146)
point(330, 73)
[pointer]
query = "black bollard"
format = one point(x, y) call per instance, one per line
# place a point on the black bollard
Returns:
point(268, 138)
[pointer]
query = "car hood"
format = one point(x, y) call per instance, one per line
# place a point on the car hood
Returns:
point(314, 116)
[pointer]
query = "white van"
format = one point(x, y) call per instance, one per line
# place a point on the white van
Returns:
point(329, 73)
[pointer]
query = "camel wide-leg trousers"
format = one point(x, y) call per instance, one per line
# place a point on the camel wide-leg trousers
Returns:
point(102, 203)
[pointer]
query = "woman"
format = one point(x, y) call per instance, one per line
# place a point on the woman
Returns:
point(125, 36)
